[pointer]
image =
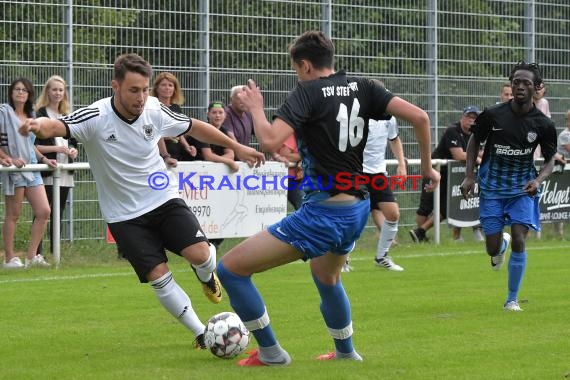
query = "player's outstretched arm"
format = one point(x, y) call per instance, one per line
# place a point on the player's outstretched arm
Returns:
point(209, 134)
point(398, 151)
point(43, 128)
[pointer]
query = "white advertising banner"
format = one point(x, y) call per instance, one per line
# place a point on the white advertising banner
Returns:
point(230, 205)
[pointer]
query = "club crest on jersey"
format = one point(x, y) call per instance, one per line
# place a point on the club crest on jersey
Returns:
point(531, 136)
point(148, 131)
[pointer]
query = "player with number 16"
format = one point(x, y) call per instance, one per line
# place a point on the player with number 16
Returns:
point(328, 112)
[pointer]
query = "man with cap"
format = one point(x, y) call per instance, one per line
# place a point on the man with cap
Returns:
point(452, 146)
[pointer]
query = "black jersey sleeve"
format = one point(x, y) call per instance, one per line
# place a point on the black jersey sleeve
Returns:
point(296, 108)
point(378, 96)
point(548, 141)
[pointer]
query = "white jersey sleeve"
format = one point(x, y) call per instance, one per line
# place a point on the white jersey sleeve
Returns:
point(173, 123)
point(392, 128)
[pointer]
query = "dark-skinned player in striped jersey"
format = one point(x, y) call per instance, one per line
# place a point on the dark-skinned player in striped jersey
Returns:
point(508, 181)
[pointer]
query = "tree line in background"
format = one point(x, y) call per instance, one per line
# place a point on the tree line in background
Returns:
point(392, 42)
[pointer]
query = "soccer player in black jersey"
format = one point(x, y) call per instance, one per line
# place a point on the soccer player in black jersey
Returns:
point(328, 112)
point(508, 181)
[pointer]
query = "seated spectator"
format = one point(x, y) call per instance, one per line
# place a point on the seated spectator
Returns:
point(167, 89)
point(215, 153)
point(452, 146)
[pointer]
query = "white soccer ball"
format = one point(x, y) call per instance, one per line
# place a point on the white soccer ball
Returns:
point(226, 335)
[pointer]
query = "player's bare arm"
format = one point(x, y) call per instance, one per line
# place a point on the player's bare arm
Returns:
point(43, 128)
point(531, 187)
point(420, 121)
point(398, 151)
point(270, 136)
point(209, 134)
point(472, 153)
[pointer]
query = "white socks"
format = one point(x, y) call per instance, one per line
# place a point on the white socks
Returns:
point(387, 235)
point(204, 270)
point(177, 302)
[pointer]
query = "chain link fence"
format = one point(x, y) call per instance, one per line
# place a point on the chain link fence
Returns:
point(440, 55)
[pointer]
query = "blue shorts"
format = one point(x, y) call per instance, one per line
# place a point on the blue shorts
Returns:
point(20, 181)
point(494, 214)
point(320, 227)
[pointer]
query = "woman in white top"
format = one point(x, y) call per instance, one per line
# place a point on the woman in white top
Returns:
point(53, 103)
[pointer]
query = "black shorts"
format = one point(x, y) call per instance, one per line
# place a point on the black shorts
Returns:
point(143, 240)
point(426, 199)
point(379, 189)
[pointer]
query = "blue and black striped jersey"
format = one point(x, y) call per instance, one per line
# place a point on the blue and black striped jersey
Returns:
point(511, 139)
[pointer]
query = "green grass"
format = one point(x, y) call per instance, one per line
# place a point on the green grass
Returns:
point(440, 319)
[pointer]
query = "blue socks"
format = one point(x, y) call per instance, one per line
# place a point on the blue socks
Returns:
point(335, 308)
point(247, 303)
point(517, 266)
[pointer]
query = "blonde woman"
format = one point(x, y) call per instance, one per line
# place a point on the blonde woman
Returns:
point(19, 151)
point(167, 89)
point(53, 103)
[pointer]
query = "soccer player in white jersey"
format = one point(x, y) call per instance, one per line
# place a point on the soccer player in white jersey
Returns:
point(383, 207)
point(120, 135)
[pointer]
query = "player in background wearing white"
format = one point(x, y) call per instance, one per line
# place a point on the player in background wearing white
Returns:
point(328, 112)
point(120, 135)
point(383, 206)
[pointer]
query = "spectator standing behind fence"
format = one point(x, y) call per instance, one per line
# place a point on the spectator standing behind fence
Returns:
point(562, 157)
point(289, 155)
point(239, 122)
point(19, 151)
point(53, 103)
point(169, 92)
point(451, 146)
point(541, 103)
point(506, 93)
point(328, 112)
point(563, 142)
point(120, 135)
point(508, 182)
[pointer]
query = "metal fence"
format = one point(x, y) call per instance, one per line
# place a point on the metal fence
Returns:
point(441, 55)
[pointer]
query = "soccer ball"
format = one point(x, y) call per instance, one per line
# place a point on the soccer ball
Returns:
point(226, 335)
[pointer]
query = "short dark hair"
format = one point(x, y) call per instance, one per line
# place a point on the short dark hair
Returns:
point(314, 47)
point(29, 105)
point(131, 63)
point(532, 67)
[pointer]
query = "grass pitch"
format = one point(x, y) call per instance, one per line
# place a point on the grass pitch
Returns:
point(441, 318)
